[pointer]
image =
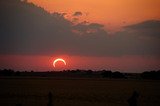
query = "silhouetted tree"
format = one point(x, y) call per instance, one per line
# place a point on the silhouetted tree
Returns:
point(132, 101)
point(89, 72)
point(7, 72)
point(17, 73)
point(151, 75)
point(50, 99)
point(106, 74)
point(118, 75)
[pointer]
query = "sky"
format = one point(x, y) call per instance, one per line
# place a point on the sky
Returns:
point(112, 13)
point(118, 35)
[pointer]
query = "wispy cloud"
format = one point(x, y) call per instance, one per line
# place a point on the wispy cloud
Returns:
point(78, 13)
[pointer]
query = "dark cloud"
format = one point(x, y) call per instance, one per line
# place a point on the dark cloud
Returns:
point(28, 29)
point(149, 24)
point(78, 13)
point(140, 39)
point(150, 28)
point(89, 28)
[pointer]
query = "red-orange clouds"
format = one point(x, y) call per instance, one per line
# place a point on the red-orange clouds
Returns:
point(112, 13)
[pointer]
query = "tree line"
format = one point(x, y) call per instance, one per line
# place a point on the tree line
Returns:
point(155, 75)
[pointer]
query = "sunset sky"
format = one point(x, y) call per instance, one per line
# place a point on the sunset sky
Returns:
point(118, 35)
point(112, 13)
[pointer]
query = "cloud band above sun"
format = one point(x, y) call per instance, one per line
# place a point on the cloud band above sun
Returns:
point(55, 34)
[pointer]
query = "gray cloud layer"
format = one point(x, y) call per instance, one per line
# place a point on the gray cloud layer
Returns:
point(27, 29)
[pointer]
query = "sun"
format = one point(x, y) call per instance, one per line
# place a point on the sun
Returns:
point(57, 60)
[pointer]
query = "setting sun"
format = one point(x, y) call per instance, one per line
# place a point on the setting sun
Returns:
point(57, 60)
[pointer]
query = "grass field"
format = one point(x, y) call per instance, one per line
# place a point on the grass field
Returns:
point(77, 92)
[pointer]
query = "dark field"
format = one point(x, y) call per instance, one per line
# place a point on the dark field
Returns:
point(77, 92)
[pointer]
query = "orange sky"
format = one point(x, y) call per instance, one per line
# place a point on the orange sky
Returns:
point(43, 63)
point(112, 13)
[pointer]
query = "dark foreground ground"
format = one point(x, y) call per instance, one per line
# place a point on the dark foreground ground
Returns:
point(77, 92)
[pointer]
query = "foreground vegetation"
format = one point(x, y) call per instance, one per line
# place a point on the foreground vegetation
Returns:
point(33, 91)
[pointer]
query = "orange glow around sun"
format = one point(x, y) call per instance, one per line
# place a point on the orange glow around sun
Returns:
point(57, 60)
